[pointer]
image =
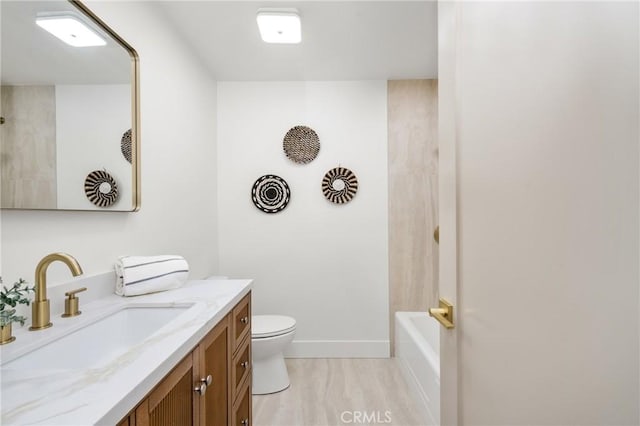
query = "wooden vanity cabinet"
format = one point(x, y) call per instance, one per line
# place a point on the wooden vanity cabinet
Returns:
point(225, 355)
point(173, 401)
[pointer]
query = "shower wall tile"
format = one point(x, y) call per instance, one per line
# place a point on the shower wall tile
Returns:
point(28, 147)
point(413, 197)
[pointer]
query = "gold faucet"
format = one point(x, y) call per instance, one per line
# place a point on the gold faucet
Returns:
point(41, 313)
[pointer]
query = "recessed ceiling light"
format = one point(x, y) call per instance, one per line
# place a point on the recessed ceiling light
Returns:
point(279, 25)
point(70, 30)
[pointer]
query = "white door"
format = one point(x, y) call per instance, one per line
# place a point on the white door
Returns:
point(539, 216)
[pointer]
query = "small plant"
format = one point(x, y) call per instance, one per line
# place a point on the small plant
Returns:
point(11, 297)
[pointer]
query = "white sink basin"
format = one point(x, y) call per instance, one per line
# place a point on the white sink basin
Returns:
point(100, 341)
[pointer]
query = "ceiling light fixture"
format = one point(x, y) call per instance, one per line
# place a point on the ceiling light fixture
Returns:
point(71, 30)
point(279, 25)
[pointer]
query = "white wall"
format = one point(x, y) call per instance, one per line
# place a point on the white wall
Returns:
point(545, 101)
point(324, 264)
point(179, 213)
point(90, 122)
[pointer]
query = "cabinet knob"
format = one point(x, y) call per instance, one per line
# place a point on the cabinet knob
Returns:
point(244, 364)
point(201, 389)
point(207, 380)
point(245, 422)
point(244, 320)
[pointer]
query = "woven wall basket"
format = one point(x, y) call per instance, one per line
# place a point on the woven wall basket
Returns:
point(270, 193)
point(339, 185)
point(301, 144)
point(125, 145)
point(101, 188)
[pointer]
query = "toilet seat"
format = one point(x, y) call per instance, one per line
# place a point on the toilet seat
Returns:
point(263, 326)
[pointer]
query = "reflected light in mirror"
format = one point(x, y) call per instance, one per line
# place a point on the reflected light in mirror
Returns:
point(70, 30)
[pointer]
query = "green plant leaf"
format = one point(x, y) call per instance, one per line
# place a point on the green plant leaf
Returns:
point(18, 294)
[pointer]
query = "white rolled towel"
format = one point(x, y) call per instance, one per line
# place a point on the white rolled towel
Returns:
point(136, 275)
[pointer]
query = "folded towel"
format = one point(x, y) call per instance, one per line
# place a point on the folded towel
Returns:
point(137, 275)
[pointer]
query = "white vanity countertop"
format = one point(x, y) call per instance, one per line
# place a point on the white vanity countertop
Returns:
point(105, 395)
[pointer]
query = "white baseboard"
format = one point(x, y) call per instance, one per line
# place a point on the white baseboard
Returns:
point(338, 349)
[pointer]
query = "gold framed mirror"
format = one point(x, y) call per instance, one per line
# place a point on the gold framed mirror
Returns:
point(69, 110)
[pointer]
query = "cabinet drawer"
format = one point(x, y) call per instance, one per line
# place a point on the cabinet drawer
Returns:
point(242, 408)
point(241, 321)
point(241, 366)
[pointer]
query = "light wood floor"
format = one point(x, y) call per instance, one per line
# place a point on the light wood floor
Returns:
point(330, 392)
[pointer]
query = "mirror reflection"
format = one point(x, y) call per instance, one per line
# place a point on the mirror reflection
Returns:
point(69, 110)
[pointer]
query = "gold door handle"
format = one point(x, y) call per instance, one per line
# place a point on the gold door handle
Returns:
point(443, 314)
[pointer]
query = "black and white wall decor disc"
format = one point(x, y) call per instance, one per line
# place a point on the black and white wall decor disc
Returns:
point(301, 144)
point(125, 145)
point(339, 185)
point(270, 193)
point(101, 188)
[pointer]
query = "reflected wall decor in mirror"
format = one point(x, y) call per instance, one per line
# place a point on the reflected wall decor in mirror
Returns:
point(69, 107)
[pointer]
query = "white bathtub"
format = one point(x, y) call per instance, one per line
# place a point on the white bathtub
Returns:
point(417, 348)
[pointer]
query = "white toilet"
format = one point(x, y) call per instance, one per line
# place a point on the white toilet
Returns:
point(270, 335)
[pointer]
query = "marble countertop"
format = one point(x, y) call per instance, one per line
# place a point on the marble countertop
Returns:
point(106, 394)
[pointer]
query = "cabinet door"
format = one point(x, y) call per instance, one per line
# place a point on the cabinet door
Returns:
point(214, 358)
point(172, 402)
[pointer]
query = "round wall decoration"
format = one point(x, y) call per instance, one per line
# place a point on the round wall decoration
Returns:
point(101, 189)
point(339, 185)
point(301, 144)
point(125, 145)
point(270, 193)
